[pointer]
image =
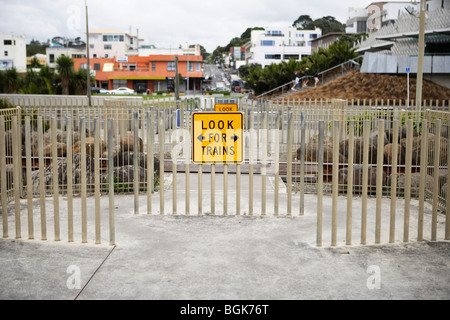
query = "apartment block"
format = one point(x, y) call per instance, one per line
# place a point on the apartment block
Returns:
point(13, 52)
point(274, 45)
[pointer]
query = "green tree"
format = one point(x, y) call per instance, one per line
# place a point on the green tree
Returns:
point(48, 78)
point(64, 66)
point(12, 80)
point(302, 21)
point(35, 63)
point(327, 24)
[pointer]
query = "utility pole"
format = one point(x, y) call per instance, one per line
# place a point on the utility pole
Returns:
point(187, 89)
point(420, 62)
point(177, 80)
point(88, 84)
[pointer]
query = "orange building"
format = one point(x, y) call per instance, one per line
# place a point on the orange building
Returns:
point(154, 72)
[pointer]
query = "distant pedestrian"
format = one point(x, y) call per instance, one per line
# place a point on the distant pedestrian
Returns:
point(296, 81)
point(305, 77)
point(316, 78)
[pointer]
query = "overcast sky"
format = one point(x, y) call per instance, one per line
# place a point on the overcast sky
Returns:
point(164, 23)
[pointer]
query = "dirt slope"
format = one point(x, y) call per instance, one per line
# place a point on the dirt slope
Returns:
point(356, 85)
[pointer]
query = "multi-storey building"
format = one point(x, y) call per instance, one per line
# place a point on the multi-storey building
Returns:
point(13, 52)
point(141, 73)
point(102, 44)
point(274, 45)
point(379, 14)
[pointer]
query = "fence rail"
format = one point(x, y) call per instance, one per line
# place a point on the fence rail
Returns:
point(330, 148)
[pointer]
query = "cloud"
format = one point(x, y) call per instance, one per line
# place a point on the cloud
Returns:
point(168, 23)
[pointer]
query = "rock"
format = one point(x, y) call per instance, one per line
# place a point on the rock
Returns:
point(402, 131)
point(127, 143)
point(312, 151)
point(90, 147)
point(61, 136)
point(358, 177)
point(61, 150)
point(415, 183)
point(62, 172)
point(358, 148)
point(416, 149)
point(388, 149)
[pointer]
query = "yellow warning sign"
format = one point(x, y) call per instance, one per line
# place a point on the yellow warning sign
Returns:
point(217, 137)
point(225, 107)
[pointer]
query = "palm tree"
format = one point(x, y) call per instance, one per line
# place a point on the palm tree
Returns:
point(64, 66)
point(12, 80)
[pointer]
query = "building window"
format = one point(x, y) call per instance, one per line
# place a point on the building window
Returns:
point(97, 66)
point(91, 46)
point(113, 38)
point(291, 56)
point(132, 67)
point(7, 42)
point(83, 66)
point(6, 53)
point(119, 83)
point(313, 36)
point(170, 66)
point(197, 66)
point(274, 33)
point(267, 43)
point(191, 66)
point(51, 58)
point(273, 56)
point(153, 66)
point(299, 35)
point(108, 47)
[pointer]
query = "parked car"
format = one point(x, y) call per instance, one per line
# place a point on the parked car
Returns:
point(122, 90)
point(103, 91)
point(95, 89)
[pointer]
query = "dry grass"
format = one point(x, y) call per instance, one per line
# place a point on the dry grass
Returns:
point(356, 85)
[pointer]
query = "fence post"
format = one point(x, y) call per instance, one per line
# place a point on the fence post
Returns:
point(350, 182)
point(437, 149)
point(83, 182)
point(3, 182)
point(335, 182)
point(97, 179)
point(42, 186)
point(302, 163)
point(55, 183)
point(447, 199)
point(320, 185)
point(408, 166)
point(149, 161)
point(277, 165)
point(111, 182)
point(379, 180)
point(394, 176)
point(423, 174)
point(365, 182)
point(69, 181)
point(290, 136)
point(29, 169)
point(135, 162)
point(161, 138)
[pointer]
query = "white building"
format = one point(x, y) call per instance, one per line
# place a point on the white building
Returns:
point(112, 43)
point(13, 52)
point(379, 14)
point(274, 45)
point(102, 44)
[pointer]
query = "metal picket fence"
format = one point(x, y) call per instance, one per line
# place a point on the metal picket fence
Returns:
point(346, 151)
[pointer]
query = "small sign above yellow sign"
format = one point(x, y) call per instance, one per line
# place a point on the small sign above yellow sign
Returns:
point(217, 137)
point(226, 107)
